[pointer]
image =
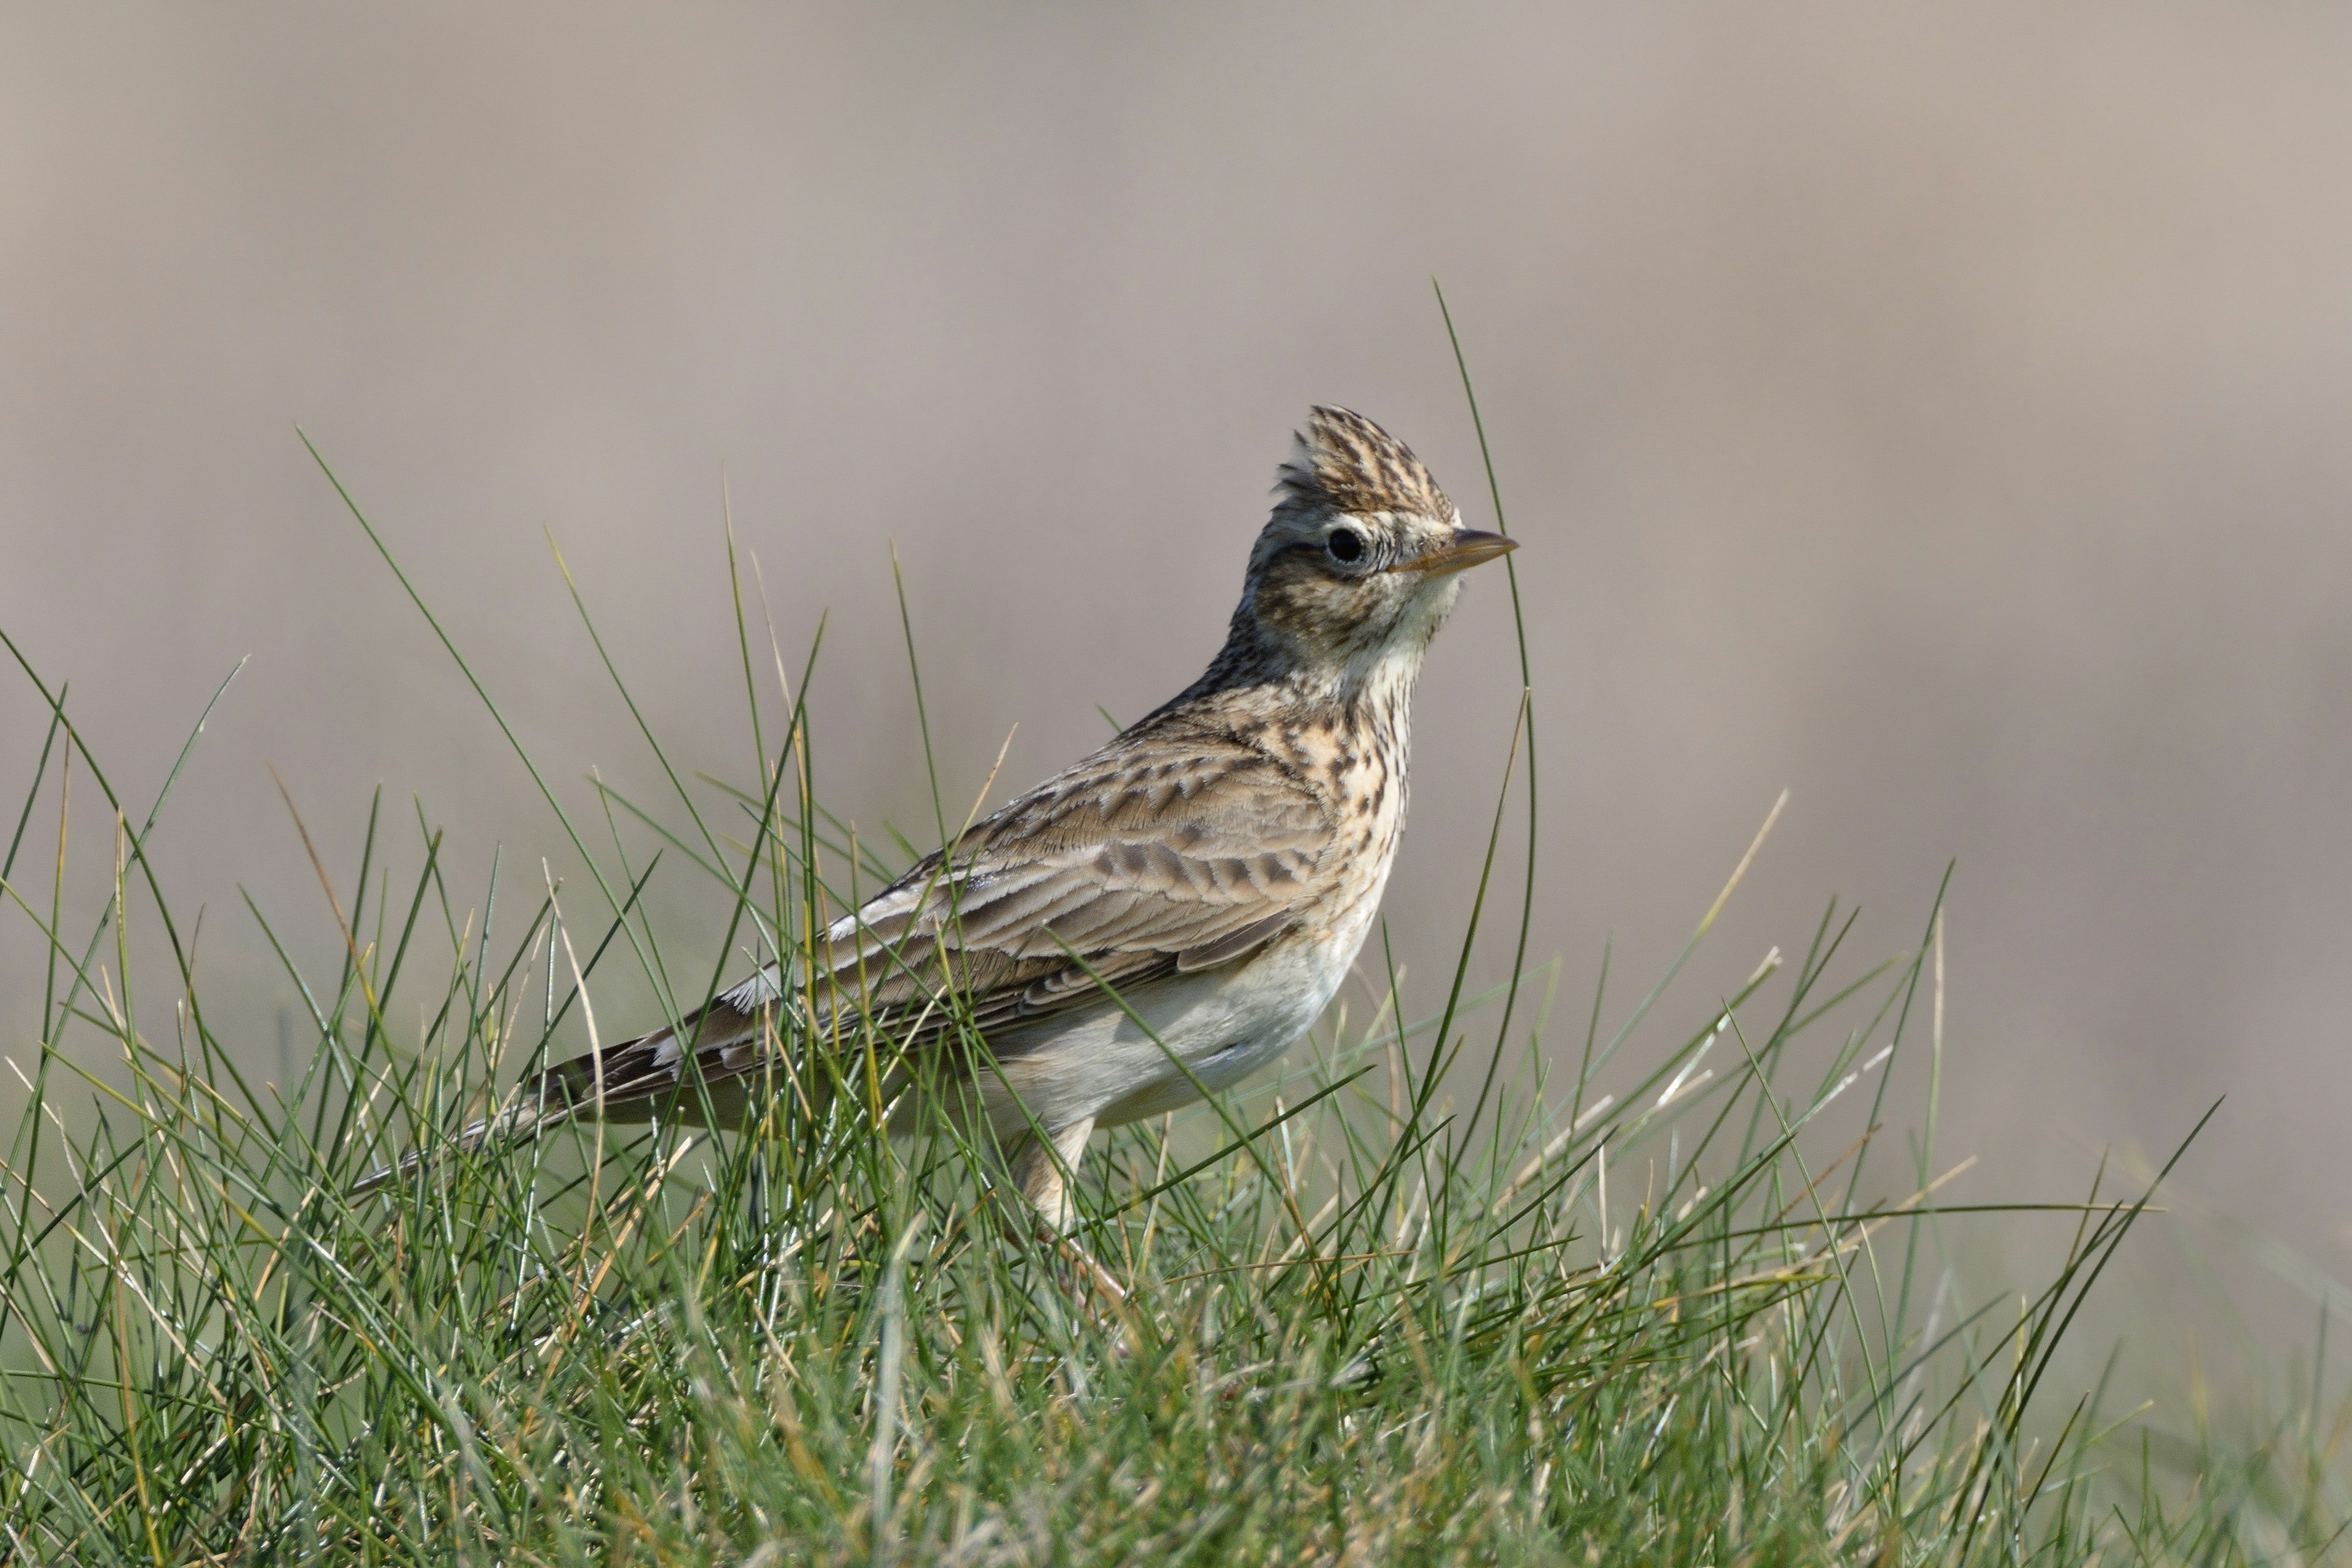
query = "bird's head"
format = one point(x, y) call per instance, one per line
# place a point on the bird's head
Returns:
point(1360, 563)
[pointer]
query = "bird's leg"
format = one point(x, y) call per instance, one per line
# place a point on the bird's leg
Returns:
point(1038, 1168)
point(1043, 1169)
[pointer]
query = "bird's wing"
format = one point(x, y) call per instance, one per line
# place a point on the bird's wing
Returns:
point(1143, 862)
point(1155, 856)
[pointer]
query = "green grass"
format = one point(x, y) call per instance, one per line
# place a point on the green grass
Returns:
point(1474, 1280)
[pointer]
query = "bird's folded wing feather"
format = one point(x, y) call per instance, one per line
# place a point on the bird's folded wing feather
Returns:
point(1143, 862)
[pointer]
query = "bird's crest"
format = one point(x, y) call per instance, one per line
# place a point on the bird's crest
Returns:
point(1345, 462)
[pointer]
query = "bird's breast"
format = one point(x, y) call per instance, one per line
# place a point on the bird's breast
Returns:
point(1361, 772)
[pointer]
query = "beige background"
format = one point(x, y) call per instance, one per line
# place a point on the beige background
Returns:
point(1942, 414)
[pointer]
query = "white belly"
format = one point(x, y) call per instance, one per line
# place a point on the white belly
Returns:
point(1222, 1027)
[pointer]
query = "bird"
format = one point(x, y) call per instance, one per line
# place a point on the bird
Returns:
point(1162, 918)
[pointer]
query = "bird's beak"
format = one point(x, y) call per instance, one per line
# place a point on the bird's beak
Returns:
point(1465, 549)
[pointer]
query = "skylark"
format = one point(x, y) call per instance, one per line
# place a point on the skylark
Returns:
point(1193, 892)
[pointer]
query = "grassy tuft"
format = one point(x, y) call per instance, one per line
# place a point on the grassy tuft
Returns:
point(1427, 1296)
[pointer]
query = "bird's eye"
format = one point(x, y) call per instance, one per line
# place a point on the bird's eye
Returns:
point(1346, 545)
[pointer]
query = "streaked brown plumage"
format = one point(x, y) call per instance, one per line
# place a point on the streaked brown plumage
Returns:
point(1217, 864)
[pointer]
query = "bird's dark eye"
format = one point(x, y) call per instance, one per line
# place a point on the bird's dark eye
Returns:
point(1346, 545)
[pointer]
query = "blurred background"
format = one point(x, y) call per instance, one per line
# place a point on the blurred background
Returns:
point(1939, 414)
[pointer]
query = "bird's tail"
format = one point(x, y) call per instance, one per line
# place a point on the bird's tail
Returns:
point(530, 1111)
point(709, 1082)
